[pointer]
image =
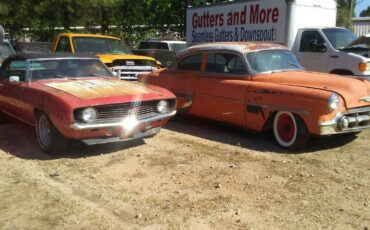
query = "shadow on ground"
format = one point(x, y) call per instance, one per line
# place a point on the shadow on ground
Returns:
point(263, 142)
point(19, 139)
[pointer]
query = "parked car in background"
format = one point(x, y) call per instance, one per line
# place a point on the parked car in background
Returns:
point(166, 57)
point(175, 46)
point(262, 86)
point(78, 98)
point(5, 50)
point(111, 51)
point(32, 47)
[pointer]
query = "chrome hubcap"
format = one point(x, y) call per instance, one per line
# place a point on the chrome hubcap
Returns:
point(44, 130)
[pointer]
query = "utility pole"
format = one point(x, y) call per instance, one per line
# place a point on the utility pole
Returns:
point(351, 9)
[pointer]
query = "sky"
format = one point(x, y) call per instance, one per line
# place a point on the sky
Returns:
point(361, 5)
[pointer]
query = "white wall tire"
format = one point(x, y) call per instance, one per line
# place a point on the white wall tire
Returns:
point(290, 131)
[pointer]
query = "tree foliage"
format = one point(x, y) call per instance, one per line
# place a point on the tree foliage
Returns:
point(130, 20)
point(344, 16)
point(365, 13)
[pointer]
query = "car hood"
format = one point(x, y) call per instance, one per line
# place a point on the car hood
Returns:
point(99, 88)
point(109, 58)
point(362, 41)
point(353, 90)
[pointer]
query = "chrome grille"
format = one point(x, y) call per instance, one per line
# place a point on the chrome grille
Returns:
point(122, 110)
point(131, 72)
point(114, 112)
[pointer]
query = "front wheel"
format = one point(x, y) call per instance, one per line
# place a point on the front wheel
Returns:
point(290, 131)
point(50, 139)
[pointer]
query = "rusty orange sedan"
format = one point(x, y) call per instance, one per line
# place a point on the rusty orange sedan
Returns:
point(260, 86)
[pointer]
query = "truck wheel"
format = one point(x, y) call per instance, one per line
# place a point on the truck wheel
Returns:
point(51, 141)
point(290, 131)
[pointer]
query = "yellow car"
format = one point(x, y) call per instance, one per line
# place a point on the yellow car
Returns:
point(111, 51)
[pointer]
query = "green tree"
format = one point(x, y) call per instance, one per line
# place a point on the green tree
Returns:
point(344, 16)
point(365, 13)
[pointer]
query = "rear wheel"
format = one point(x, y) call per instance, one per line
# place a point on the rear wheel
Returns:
point(290, 131)
point(50, 139)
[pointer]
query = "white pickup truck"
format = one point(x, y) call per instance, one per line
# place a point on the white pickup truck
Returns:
point(308, 27)
point(5, 48)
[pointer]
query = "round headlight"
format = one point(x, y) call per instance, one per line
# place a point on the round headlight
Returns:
point(162, 106)
point(333, 101)
point(88, 114)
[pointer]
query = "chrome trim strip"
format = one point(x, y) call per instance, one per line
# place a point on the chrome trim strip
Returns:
point(82, 126)
point(280, 108)
point(366, 98)
point(18, 118)
point(358, 110)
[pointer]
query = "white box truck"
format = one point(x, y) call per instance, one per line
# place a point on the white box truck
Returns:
point(307, 27)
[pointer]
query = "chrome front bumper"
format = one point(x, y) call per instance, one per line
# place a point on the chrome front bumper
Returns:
point(353, 120)
point(136, 135)
point(143, 121)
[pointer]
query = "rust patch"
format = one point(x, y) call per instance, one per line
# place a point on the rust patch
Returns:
point(90, 89)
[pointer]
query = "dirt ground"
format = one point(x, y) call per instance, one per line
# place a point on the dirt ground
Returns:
point(195, 174)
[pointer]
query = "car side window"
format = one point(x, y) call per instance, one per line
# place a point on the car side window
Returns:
point(63, 45)
point(190, 63)
point(307, 38)
point(225, 63)
point(16, 68)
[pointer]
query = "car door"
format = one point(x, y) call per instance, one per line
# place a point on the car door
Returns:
point(312, 54)
point(181, 79)
point(221, 89)
point(12, 80)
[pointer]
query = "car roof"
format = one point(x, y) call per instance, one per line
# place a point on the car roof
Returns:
point(88, 35)
point(241, 47)
point(167, 41)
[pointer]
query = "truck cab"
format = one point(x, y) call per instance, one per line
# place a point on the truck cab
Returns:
point(333, 50)
point(5, 48)
point(111, 51)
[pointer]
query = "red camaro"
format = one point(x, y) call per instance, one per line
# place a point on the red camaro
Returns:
point(69, 97)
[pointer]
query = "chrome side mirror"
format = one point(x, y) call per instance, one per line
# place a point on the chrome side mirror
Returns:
point(14, 79)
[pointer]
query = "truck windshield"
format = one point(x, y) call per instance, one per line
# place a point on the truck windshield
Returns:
point(66, 67)
point(177, 47)
point(5, 51)
point(99, 45)
point(339, 37)
point(272, 61)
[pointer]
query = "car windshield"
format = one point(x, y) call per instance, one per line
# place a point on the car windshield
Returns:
point(338, 37)
point(5, 51)
point(272, 61)
point(66, 67)
point(99, 45)
point(176, 47)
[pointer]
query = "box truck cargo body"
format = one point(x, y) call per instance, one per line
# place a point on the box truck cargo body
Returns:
point(307, 27)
